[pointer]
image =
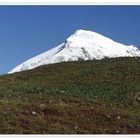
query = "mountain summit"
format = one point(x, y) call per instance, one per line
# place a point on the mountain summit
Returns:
point(82, 45)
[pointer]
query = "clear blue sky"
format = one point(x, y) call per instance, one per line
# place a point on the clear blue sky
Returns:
point(26, 31)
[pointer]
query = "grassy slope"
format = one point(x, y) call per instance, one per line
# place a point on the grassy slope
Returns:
point(92, 97)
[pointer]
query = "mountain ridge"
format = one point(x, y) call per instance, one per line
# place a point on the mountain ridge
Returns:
point(82, 45)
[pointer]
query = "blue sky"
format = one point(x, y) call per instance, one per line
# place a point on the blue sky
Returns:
point(26, 31)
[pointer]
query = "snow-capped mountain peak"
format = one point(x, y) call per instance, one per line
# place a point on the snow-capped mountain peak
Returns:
point(82, 45)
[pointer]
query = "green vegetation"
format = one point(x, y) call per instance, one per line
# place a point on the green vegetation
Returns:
point(85, 97)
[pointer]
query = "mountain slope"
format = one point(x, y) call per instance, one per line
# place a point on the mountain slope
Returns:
point(84, 97)
point(82, 45)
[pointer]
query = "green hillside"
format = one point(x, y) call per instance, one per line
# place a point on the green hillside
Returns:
point(85, 97)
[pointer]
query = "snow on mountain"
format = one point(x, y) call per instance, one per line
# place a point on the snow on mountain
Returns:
point(82, 45)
